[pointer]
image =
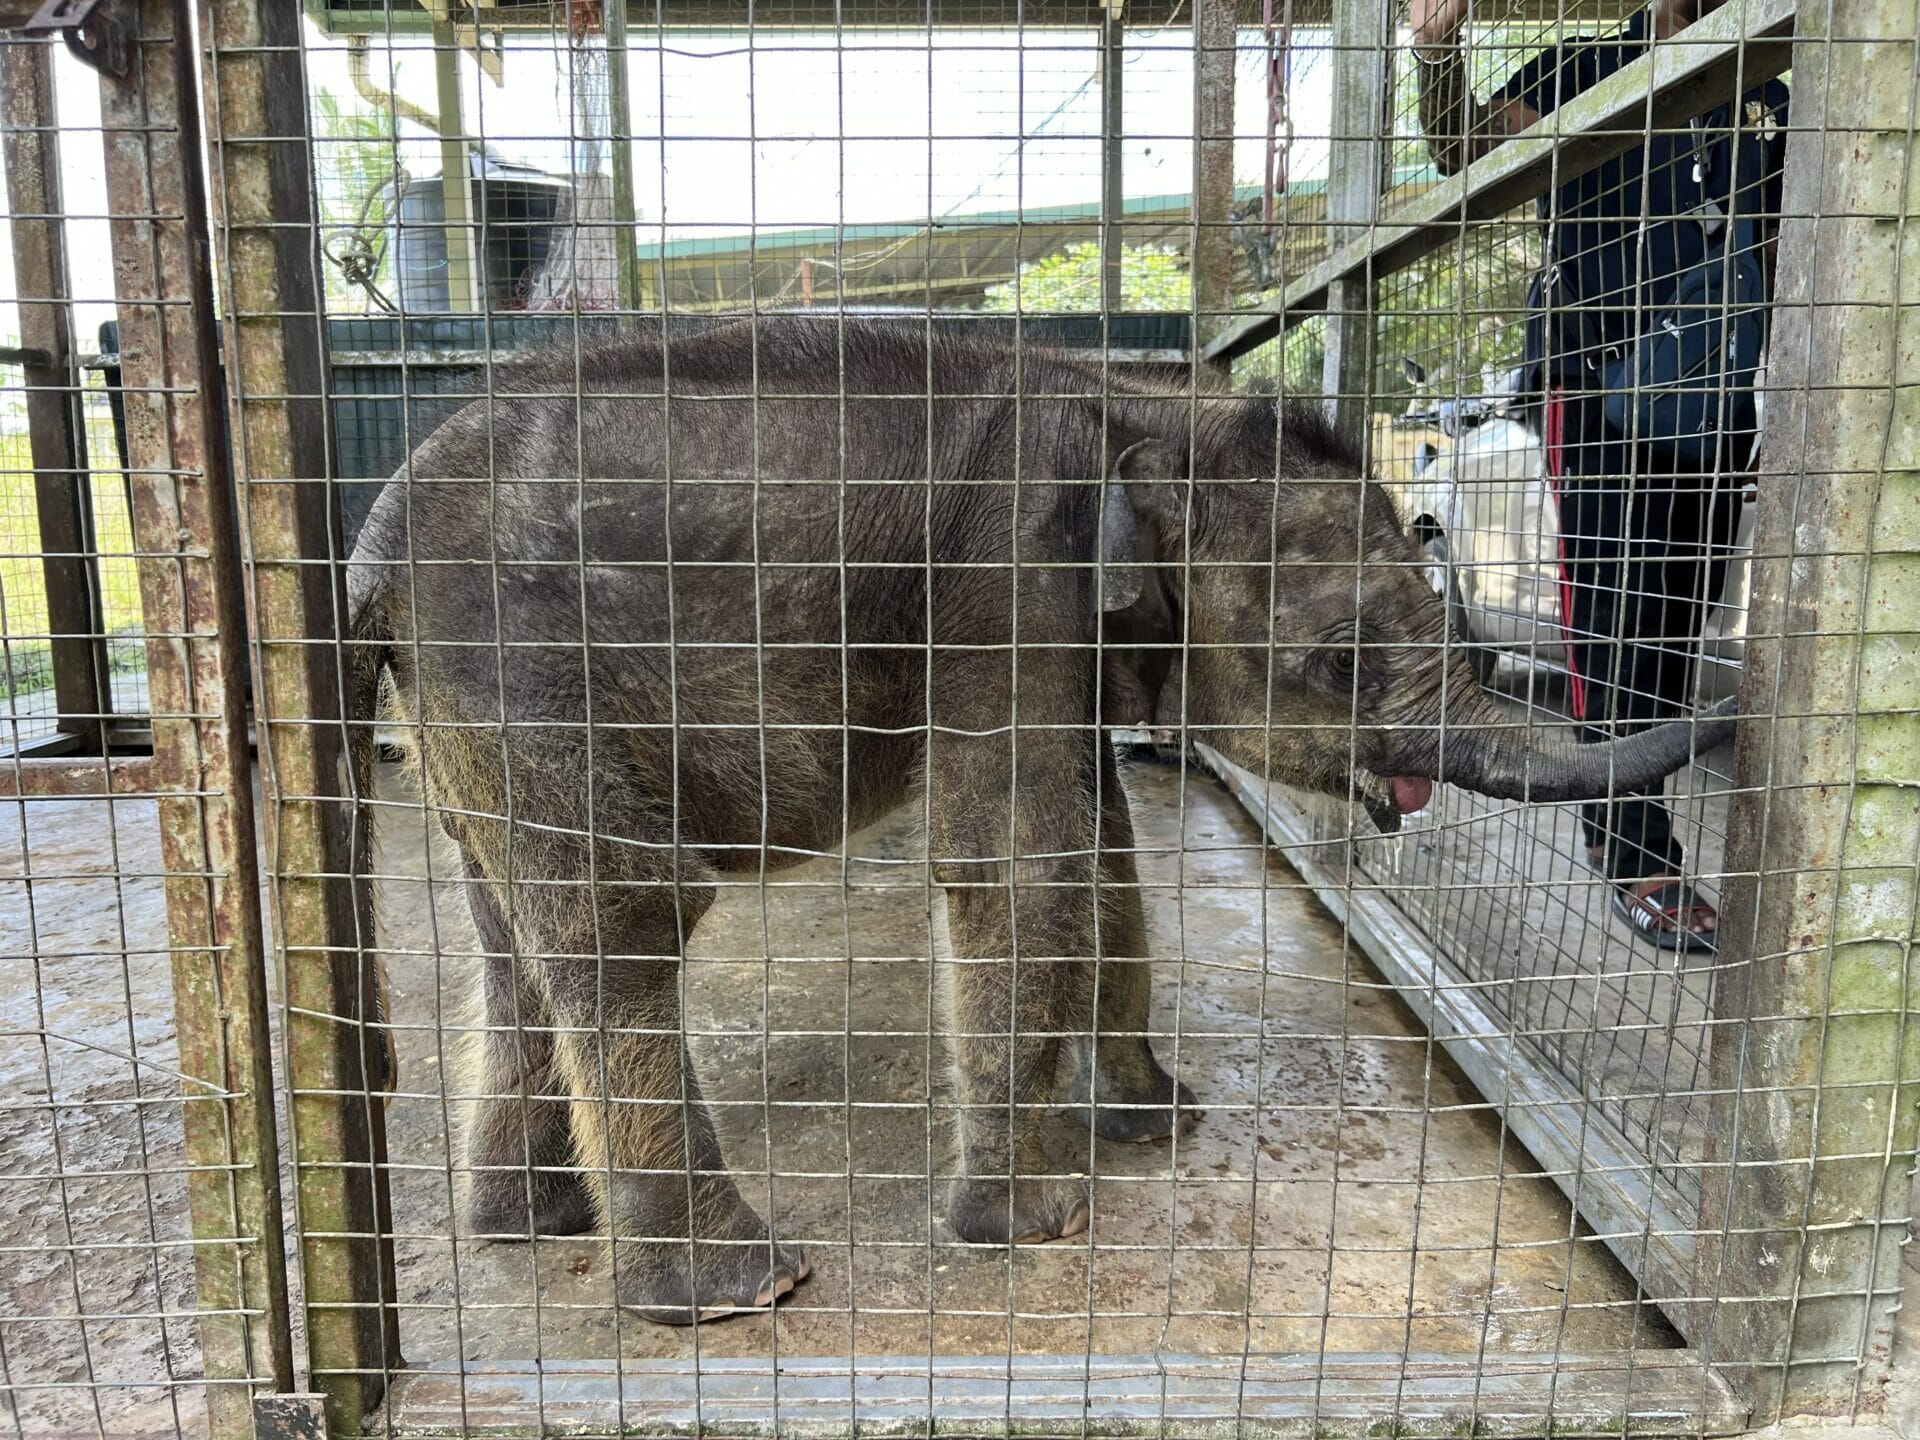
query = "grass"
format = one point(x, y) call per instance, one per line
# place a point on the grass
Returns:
point(27, 662)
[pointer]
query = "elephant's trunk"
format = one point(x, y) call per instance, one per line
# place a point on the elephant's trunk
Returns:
point(1490, 755)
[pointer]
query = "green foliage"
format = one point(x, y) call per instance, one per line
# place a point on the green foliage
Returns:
point(1156, 278)
point(1291, 367)
point(1459, 311)
point(26, 660)
point(356, 159)
point(1151, 278)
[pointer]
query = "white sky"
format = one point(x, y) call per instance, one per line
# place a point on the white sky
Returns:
point(788, 130)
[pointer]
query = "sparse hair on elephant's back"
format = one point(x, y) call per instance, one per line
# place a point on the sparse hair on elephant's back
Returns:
point(824, 355)
point(535, 403)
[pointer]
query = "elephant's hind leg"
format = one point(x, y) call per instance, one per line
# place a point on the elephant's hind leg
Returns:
point(686, 1245)
point(523, 1182)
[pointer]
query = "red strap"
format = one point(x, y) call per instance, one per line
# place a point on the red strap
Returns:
point(1556, 468)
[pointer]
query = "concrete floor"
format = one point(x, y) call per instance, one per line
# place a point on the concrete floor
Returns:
point(1344, 1190)
point(93, 1212)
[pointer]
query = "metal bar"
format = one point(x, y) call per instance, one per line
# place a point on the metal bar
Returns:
point(1362, 66)
point(1823, 902)
point(115, 775)
point(1600, 1169)
point(466, 285)
point(1662, 90)
point(56, 431)
point(1214, 51)
point(263, 202)
point(1113, 129)
point(776, 16)
point(190, 586)
point(1333, 1394)
point(620, 143)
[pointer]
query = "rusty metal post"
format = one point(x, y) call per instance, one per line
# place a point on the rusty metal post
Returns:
point(190, 587)
point(56, 431)
point(1356, 167)
point(128, 775)
point(263, 203)
point(1215, 41)
point(1814, 1049)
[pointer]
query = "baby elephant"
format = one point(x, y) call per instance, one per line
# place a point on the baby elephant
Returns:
point(697, 607)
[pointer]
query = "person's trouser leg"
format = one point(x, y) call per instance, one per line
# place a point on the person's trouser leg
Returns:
point(1643, 549)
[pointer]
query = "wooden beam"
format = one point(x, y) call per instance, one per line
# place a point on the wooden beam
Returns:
point(1815, 1074)
point(191, 586)
point(1113, 129)
point(263, 198)
point(1742, 43)
point(620, 143)
point(1356, 176)
point(466, 281)
point(1215, 39)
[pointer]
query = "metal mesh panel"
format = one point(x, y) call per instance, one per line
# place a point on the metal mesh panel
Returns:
point(929, 688)
point(841, 171)
point(141, 1284)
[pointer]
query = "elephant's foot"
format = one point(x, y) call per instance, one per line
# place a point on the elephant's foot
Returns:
point(1025, 1212)
point(522, 1204)
point(1137, 1101)
point(679, 1282)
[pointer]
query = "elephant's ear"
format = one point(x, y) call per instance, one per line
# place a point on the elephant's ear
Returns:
point(1142, 475)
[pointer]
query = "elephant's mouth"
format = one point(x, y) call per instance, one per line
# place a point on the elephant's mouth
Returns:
point(1409, 793)
point(1404, 795)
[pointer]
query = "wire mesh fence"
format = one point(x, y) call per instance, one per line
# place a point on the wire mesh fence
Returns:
point(139, 1177)
point(864, 820)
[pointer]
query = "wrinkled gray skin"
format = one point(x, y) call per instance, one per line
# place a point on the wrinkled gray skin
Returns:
point(747, 710)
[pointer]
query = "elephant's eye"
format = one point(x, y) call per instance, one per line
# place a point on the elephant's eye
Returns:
point(1344, 670)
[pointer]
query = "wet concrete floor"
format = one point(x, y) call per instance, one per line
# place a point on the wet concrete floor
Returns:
point(1345, 1190)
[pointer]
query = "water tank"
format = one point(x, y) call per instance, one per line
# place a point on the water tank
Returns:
point(513, 207)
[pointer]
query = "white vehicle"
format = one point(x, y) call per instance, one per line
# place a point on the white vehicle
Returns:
point(1484, 513)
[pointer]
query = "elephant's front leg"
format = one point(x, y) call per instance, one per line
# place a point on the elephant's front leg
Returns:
point(1128, 1095)
point(1013, 841)
point(1013, 1004)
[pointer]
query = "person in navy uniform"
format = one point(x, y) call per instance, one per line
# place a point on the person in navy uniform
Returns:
point(1645, 531)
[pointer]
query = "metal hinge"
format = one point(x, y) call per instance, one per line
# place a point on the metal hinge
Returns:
point(90, 29)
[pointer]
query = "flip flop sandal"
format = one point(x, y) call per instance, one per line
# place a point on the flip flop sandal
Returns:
point(1671, 903)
